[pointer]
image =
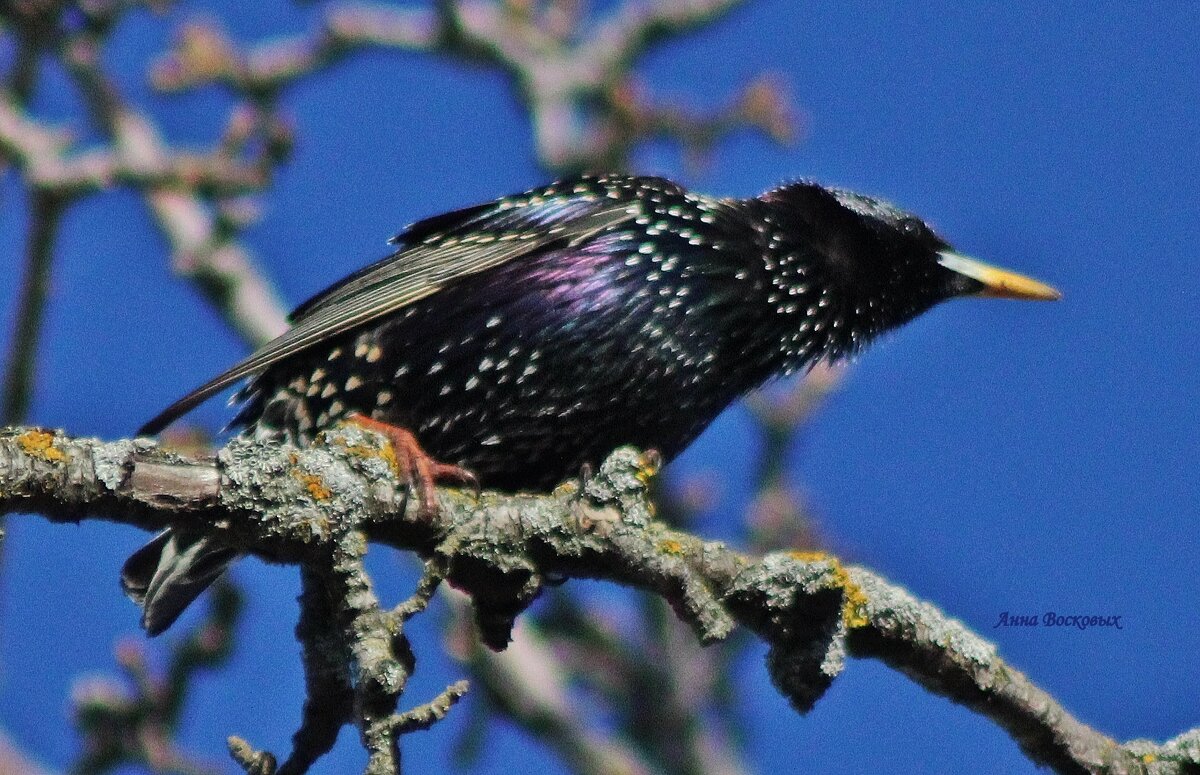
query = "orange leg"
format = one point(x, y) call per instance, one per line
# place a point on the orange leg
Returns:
point(421, 469)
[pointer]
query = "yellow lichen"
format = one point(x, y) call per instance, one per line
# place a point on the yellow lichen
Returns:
point(854, 607)
point(854, 603)
point(648, 465)
point(385, 452)
point(40, 444)
point(566, 489)
point(316, 488)
point(1149, 758)
point(670, 546)
point(812, 557)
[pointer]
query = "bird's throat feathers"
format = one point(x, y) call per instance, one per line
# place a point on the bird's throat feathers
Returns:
point(844, 268)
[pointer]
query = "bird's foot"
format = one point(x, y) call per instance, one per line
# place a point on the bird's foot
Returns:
point(414, 462)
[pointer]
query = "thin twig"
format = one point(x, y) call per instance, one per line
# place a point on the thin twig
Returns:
point(45, 215)
point(223, 270)
point(14, 761)
point(528, 683)
point(585, 109)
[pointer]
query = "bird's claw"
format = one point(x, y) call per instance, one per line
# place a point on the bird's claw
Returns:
point(422, 471)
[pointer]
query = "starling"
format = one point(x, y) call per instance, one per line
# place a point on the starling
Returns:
point(525, 338)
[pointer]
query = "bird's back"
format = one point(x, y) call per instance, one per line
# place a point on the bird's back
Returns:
point(640, 333)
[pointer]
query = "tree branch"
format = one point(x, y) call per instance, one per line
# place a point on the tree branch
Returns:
point(51, 164)
point(14, 761)
point(221, 268)
point(317, 506)
point(586, 110)
point(45, 213)
point(135, 721)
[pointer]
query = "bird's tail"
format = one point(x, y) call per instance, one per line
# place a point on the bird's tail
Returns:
point(171, 571)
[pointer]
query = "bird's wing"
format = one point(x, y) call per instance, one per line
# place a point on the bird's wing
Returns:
point(433, 253)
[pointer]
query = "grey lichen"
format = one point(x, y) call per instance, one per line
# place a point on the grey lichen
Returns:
point(110, 462)
point(895, 609)
point(796, 606)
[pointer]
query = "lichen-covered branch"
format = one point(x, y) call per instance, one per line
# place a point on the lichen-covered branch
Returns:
point(318, 507)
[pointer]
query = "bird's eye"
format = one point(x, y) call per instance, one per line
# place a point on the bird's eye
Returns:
point(912, 226)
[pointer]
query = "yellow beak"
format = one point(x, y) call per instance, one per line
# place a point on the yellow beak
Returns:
point(998, 283)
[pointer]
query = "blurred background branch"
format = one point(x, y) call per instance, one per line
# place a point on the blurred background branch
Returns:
point(135, 722)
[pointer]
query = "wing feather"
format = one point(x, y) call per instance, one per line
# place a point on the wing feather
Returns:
point(481, 238)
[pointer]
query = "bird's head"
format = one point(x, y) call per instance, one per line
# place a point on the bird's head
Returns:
point(858, 266)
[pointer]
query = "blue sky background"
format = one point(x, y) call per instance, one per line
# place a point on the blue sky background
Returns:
point(992, 456)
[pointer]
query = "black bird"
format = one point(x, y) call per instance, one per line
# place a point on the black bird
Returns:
point(524, 338)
